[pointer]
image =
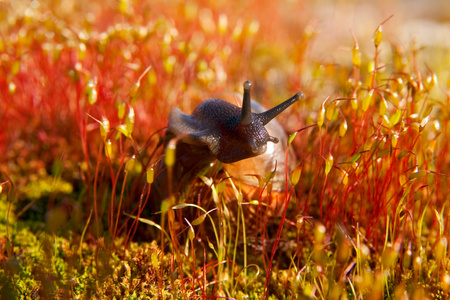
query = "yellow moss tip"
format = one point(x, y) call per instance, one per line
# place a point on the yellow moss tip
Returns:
point(378, 36)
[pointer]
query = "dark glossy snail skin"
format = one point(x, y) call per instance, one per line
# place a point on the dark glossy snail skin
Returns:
point(220, 130)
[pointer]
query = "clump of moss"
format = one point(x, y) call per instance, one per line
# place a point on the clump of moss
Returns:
point(86, 92)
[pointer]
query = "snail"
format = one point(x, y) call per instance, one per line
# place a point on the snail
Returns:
point(246, 139)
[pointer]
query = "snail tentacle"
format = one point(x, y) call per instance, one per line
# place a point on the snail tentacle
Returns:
point(268, 115)
point(273, 139)
point(246, 113)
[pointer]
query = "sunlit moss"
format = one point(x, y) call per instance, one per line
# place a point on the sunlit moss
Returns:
point(375, 157)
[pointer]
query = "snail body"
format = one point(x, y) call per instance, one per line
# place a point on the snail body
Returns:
point(240, 137)
point(231, 133)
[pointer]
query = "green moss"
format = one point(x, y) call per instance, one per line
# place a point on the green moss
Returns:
point(369, 208)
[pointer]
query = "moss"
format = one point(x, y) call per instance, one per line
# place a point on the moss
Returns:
point(86, 89)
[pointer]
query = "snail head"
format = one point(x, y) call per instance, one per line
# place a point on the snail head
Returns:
point(230, 132)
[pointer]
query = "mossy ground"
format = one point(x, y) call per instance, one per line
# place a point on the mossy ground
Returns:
point(85, 91)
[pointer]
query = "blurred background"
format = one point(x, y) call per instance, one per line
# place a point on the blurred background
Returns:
point(86, 86)
point(68, 65)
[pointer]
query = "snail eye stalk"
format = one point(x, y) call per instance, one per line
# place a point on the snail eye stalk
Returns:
point(246, 113)
point(268, 115)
